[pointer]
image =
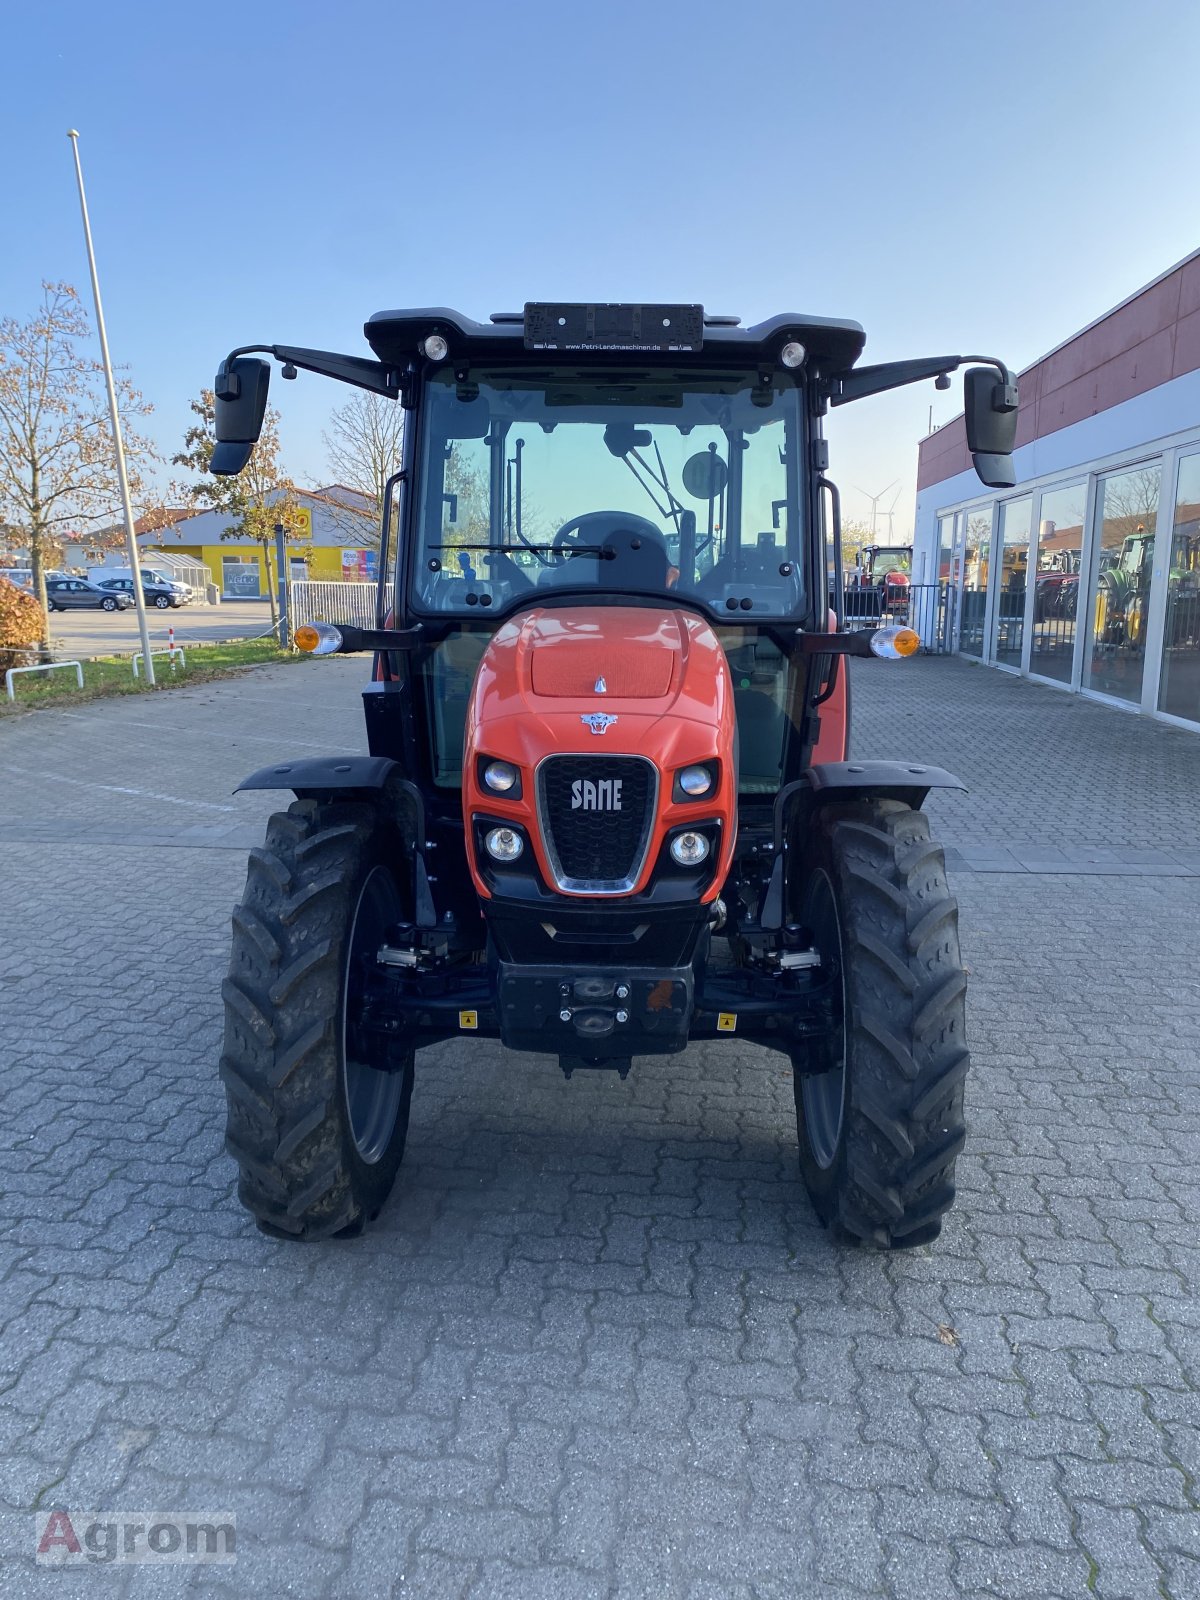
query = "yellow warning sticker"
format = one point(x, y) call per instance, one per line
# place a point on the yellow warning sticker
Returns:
point(468, 1020)
point(726, 1021)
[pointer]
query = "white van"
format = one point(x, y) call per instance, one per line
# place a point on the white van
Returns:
point(150, 575)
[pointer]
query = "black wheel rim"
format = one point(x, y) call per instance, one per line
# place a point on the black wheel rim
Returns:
point(372, 1097)
point(823, 1094)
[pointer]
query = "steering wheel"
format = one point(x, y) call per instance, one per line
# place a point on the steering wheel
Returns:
point(593, 527)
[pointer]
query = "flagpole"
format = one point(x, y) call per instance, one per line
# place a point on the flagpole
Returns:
point(139, 598)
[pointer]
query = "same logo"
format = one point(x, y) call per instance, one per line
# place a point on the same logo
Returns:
point(596, 794)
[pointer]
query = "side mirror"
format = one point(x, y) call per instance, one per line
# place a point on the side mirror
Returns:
point(991, 417)
point(241, 404)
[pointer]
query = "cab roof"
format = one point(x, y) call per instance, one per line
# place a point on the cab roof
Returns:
point(832, 345)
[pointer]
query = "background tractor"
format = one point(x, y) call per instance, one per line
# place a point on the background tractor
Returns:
point(887, 568)
point(607, 807)
point(1123, 591)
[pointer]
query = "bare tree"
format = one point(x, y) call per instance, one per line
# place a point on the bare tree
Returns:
point(364, 445)
point(855, 536)
point(261, 496)
point(1130, 505)
point(57, 462)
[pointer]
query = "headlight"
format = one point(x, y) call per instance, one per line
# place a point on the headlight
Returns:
point(696, 782)
point(504, 844)
point(793, 354)
point(689, 849)
point(500, 777)
point(435, 347)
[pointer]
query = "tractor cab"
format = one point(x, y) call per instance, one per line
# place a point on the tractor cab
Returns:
point(608, 807)
point(882, 562)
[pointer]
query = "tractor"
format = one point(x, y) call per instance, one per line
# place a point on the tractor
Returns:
point(888, 570)
point(878, 585)
point(1123, 590)
point(608, 806)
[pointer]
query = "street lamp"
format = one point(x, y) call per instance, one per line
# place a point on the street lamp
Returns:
point(285, 586)
point(122, 477)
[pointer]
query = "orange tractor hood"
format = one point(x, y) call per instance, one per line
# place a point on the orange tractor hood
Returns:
point(603, 681)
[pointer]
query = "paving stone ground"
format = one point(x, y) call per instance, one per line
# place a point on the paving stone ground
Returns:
point(597, 1344)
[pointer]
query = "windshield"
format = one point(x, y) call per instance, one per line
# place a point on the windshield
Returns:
point(893, 561)
point(683, 484)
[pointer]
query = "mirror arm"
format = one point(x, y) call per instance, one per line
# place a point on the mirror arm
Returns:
point(1006, 376)
point(357, 370)
point(862, 381)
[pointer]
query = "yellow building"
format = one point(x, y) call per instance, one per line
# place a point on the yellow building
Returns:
point(338, 541)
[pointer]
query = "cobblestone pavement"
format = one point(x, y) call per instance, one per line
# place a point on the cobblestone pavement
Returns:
point(597, 1344)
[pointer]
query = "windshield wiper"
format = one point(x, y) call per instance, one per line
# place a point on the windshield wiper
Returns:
point(673, 507)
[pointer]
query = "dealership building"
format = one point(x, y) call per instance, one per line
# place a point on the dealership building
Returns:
point(1086, 575)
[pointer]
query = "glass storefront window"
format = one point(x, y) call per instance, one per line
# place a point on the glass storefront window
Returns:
point(241, 577)
point(945, 549)
point(1059, 558)
point(1012, 554)
point(1179, 686)
point(1122, 560)
point(976, 555)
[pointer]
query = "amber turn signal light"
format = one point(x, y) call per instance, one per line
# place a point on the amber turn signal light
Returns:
point(895, 643)
point(317, 638)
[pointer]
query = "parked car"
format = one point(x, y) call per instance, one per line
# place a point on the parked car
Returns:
point(154, 591)
point(66, 594)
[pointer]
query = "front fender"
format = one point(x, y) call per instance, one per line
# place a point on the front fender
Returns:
point(323, 775)
point(909, 781)
point(330, 777)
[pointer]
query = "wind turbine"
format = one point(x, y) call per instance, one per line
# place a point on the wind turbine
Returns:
point(876, 498)
point(891, 511)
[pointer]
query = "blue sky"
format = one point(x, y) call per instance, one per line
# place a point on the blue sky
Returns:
point(955, 176)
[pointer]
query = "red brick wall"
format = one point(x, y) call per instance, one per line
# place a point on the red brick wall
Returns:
point(1152, 338)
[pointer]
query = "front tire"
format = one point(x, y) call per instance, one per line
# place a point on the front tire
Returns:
point(108, 605)
point(316, 1129)
point(882, 1126)
point(161, 601)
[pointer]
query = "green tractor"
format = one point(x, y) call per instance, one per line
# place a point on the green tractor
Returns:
point(1123, 592)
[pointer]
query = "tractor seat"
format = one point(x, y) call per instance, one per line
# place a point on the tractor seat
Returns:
point(634, 560)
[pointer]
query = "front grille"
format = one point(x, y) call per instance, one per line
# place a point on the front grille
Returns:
point(596, 815)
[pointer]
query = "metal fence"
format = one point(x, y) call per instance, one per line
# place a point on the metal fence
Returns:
point(932, 612)
point(314, 600)
point(1183, 619)
point(927, 607)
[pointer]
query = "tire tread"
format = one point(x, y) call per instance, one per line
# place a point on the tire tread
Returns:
point(280, 1061)
point(904, 1125)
